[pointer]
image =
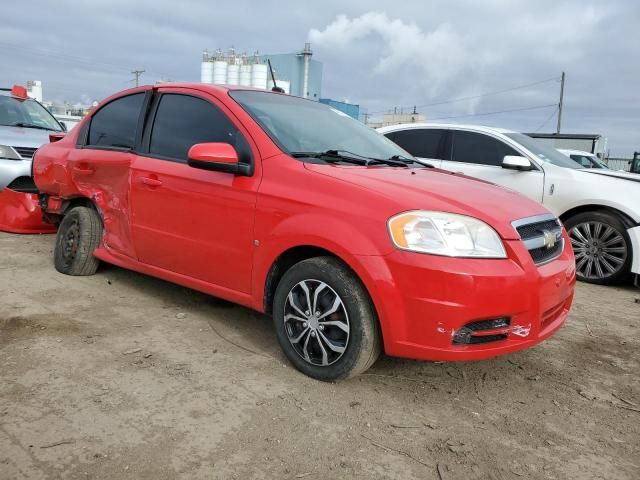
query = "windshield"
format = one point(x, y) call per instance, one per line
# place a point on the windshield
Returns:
point(298, 125)
point(26, 113)
point(542, 151)
point(588, 161)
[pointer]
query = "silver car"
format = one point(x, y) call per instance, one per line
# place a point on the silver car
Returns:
point(24, 126)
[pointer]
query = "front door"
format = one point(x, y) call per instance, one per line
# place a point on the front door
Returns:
point(480, 155)
point(186, 220)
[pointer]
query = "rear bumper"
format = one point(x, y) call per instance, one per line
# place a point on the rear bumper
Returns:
point(20, 213)
point(424, 300)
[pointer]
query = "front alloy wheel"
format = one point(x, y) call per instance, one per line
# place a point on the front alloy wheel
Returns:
point(316, 322)
point(325, 320)
point(601, 246)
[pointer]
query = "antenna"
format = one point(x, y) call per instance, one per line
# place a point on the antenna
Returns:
point(275, 88)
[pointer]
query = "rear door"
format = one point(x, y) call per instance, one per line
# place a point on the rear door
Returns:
point(100, 164)
point(186, 220)
point(480, 155)
point(424, 143)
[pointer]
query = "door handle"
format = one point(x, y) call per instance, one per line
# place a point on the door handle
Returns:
point(152, 182)
point(83, 171)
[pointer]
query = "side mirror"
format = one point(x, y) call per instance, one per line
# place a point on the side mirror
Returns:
point(220, 157)
point(516, 162)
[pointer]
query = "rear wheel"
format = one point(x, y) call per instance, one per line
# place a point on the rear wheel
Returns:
point(602, 247)
point(325, 320)
point(78, 236)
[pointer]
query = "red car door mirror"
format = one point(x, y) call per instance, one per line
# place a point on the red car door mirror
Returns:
point(220, 157)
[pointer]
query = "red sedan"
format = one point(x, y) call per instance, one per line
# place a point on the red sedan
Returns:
point(294, 209)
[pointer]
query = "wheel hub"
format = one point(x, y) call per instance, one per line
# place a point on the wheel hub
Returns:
point(600, 249)
point(316, 322)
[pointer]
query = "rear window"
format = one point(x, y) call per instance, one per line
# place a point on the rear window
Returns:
point(115, 124)
point(420, 142)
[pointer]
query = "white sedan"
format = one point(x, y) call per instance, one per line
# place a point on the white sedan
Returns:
point(600, 208)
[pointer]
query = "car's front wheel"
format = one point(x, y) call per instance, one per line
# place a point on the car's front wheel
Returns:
point(325, 321)
point(602, 247)
point(78, 236)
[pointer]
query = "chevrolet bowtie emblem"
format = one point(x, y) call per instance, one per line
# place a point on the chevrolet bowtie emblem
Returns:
point(549, 239)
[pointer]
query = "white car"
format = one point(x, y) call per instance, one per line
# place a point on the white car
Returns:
point(600, 208)
point(586, 159)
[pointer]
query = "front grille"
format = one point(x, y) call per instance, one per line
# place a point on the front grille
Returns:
point(23, 184)
point(542, 235)
point(544, 254)
point(482, 331)
point(533, 230)
point(25, 152)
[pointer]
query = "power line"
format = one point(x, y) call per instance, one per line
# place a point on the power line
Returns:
point(497, 112)
point(546, 121)
point(487, 94)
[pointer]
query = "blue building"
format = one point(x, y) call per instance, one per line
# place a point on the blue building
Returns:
point(350, 109)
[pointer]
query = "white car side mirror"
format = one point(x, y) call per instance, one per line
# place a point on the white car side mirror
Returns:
point(516, 162)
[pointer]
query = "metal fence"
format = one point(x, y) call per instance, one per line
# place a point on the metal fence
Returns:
point(618, 163)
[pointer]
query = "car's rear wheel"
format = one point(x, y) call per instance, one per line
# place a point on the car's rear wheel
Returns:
point(325, 321)
point(602, 247)
point(78, 236)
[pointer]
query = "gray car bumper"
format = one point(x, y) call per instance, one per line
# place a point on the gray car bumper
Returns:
point(12, 169)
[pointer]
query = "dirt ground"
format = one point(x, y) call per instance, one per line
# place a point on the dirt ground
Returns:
point(120, 375)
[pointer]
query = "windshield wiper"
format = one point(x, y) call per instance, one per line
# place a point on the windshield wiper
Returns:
point(29, 125)
point(334, 156)
point(407, 160)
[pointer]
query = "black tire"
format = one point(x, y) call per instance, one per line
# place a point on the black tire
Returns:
point(78, 236)
point(364, 341)
point(598, 247)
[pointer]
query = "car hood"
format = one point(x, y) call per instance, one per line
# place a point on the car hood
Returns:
point(634, 177)
point(440, 190)
point(23, 137)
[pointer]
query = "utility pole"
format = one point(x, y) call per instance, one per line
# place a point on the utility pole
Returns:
point(138, 74)
point(560, 104)
point(366, 118)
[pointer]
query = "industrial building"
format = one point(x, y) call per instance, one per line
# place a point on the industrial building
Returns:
point(297, 73)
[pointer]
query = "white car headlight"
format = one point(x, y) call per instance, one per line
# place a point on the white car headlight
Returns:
point(448, 234)
point(8, 152)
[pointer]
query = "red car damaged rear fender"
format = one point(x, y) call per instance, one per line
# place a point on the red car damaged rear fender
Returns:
point(20, 213)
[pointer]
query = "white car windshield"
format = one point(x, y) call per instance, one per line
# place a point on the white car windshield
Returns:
point(17, 112)
point(542, 151)
point(299, 125)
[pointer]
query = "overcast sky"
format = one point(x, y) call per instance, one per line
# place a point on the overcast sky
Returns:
point(378, 54)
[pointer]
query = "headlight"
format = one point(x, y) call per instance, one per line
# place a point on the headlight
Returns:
point(8, 152)
point(442, 233)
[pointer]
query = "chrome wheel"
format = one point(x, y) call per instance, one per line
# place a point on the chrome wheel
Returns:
point(600, 249)
point(316, 322)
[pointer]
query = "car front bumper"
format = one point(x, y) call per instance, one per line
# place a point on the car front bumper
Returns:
point(12, 169)
point(423, 301)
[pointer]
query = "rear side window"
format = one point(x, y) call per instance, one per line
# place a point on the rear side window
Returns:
point(424, 143)
point(181, 121)
point(115, 124)
point(472, 147)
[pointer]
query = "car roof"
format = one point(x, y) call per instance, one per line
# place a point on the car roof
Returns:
point(449, 126)
point(576, 152)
